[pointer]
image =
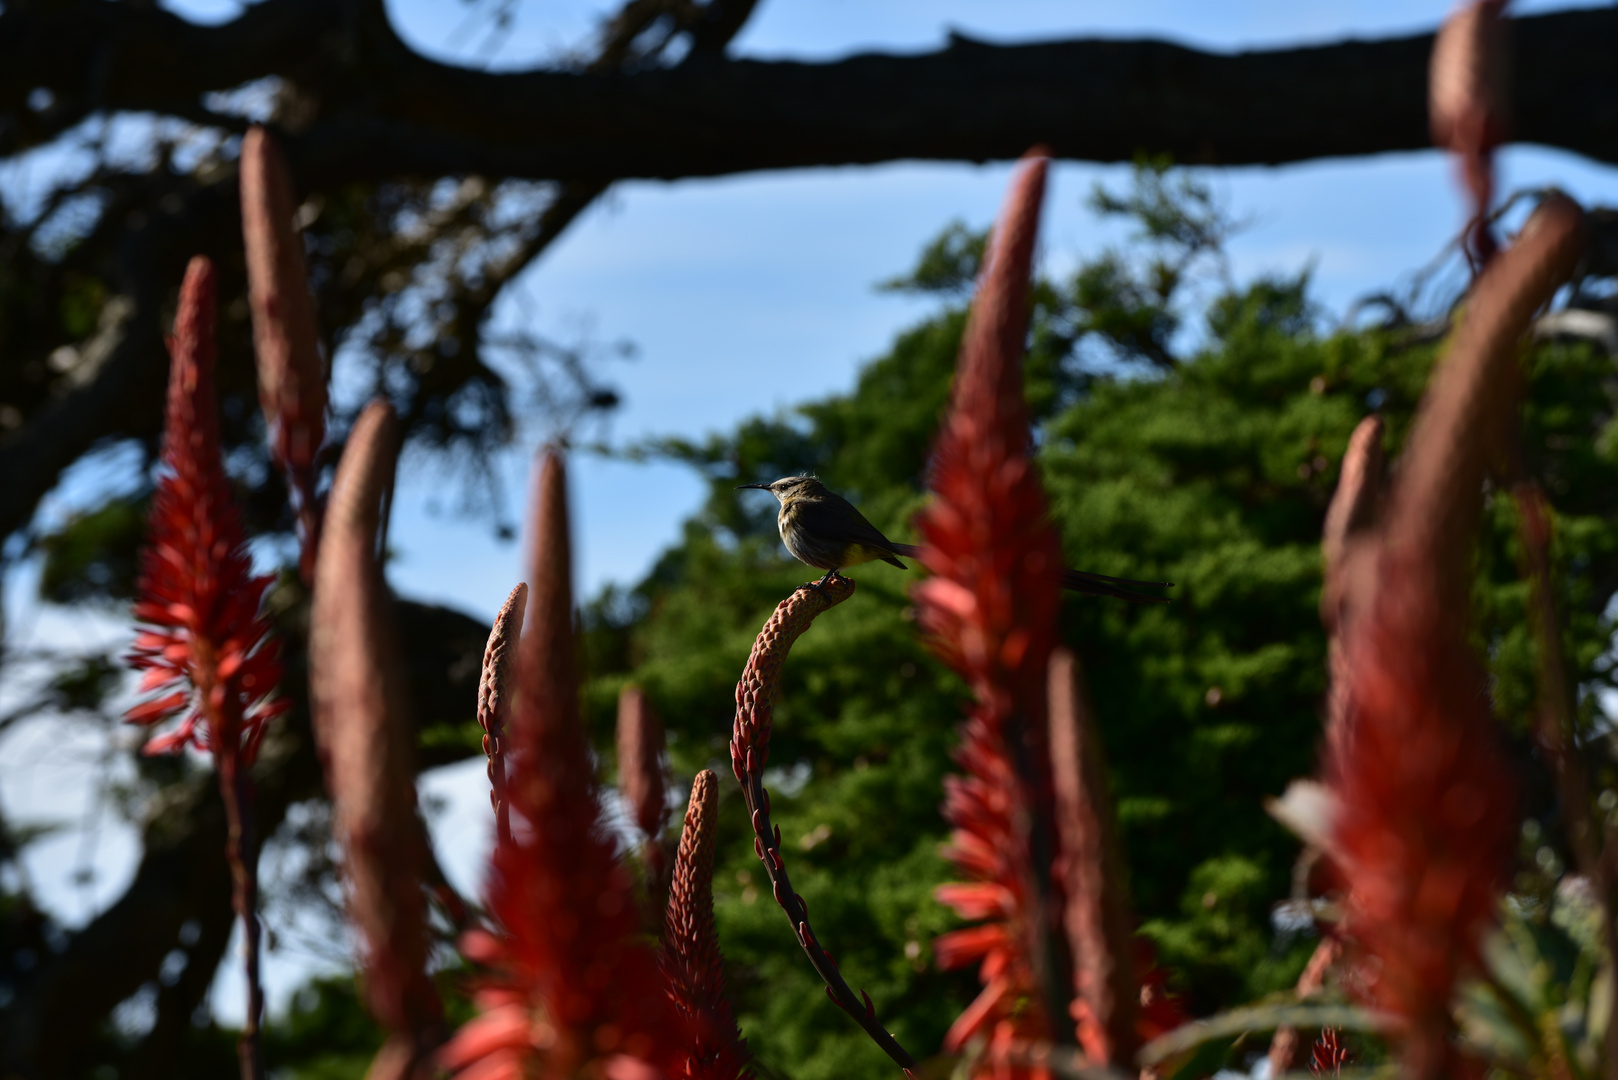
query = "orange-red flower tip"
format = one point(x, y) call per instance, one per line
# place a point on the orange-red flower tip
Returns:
point(196, 593)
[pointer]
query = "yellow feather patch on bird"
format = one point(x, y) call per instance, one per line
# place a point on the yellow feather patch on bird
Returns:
point(861, 553)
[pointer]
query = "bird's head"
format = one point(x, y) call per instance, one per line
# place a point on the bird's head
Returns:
point(790, 487)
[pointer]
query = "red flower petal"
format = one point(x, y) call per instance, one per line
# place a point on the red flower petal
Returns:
point(151, 712)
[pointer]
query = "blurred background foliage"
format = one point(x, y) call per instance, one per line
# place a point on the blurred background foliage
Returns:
point(1190, 430)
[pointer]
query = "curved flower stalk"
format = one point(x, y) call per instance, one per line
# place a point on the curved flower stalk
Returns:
point(990, 609)
point(750, 752)
point(361, 710)
point(1422, 823)
point(204, 641)
point(690, 956)
point(291, 374)
point(573, 989)
point(642, 783)
point(1099, 926)
point(494, 701)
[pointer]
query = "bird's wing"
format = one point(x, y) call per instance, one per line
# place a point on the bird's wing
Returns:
point(835, 518)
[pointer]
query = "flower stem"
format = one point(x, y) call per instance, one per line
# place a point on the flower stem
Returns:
point(750, 750)
point(235, 787)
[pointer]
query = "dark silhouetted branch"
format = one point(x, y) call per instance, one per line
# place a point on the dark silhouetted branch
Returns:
point(1087, 99)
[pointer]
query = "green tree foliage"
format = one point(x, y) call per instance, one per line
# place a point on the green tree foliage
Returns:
point(1207, 459)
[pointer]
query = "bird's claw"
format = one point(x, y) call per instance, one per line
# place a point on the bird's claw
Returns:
point(820, 586)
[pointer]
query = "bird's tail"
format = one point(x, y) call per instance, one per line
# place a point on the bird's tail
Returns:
point(1082, 581)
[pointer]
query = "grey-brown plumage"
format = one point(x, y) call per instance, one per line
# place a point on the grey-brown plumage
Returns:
point(824, 530)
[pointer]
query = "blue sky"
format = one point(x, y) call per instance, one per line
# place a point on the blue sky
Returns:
point(749, 294)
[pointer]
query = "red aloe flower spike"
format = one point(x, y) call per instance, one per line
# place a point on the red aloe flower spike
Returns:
point(990, 610)
point(641, 779)
point(574, 986)
point(494, 700)
point(690, 955)
point(205, 644)
point(1097, 919)
point(750, 750)
point(361, 710)
point(1469, 103)
point(291, 374)
point(1423, 825)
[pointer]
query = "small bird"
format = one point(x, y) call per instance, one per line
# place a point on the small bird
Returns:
point(822, 529)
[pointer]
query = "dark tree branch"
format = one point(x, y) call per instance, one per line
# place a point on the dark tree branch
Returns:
point(117, 380)
point(120, 48)
point(94, 55)
point(401, 114)
point(711, 27)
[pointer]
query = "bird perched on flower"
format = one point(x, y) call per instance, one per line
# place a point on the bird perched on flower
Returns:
point(824, 530)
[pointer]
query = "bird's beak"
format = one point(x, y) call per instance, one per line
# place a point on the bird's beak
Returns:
point(764, 487)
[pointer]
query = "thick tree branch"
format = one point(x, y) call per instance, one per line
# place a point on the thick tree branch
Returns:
point(93, 54)
point(1088, 99)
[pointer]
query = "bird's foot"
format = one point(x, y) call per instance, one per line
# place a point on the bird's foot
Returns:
point(820, 586)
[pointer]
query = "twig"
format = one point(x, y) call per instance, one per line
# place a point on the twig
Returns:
point(750, 751)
